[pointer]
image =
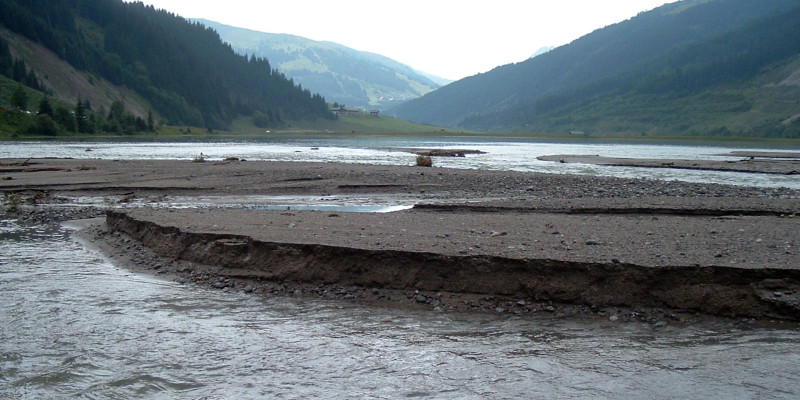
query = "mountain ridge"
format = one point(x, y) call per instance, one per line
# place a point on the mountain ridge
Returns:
point(590, 60)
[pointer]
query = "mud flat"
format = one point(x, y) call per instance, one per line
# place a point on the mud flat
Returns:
point(783, 163)
point(476, 240)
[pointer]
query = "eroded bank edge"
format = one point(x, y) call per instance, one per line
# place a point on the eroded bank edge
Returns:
point(712, 290)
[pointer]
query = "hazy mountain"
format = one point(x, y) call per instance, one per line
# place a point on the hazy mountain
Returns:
point(516, 97)
point(341, 74)
point(542, 50)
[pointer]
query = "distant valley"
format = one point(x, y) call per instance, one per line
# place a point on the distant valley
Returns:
point(343, 75)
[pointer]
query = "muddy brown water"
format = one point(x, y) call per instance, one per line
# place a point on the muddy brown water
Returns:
point(76, 325)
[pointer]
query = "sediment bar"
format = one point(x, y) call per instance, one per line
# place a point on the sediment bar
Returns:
point(708, 289)
point(586, 240)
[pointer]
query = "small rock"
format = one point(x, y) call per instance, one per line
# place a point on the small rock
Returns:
point(592, 242)
point(420, 298)
point(218, 284)
point(613, 318)
point(496, 234)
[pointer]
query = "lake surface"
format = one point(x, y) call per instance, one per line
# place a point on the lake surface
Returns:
point(74, 325)
point(501, 154)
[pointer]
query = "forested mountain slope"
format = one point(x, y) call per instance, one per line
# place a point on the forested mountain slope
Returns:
point(743, 83)
point(181, 69)
point(341, 74)
point(509, 97)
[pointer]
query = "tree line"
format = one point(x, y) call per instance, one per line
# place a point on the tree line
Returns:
point(52, 118)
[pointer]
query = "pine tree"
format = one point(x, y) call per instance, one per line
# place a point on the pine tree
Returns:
point(19, 98)
point(65, 118)
point(81, 118)
point(45, 107)
point(151, 125)
point(116, 111)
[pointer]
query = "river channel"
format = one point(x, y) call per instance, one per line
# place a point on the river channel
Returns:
point(74, 325)
point(515, 154)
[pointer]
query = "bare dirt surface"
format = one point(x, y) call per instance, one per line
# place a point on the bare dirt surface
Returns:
point(477, 240)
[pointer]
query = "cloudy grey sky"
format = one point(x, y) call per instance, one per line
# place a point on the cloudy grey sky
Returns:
point(449, 38)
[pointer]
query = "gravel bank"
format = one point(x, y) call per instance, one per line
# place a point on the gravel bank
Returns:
point(483, 240)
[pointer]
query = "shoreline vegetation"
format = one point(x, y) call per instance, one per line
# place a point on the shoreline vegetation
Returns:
point(486, 241)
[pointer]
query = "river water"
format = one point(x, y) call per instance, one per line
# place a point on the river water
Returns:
point(500, 154)
point(74, 325)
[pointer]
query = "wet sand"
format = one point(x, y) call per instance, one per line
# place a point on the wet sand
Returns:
point(502, 241)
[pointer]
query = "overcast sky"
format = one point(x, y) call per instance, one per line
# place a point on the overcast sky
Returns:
point(451, 39)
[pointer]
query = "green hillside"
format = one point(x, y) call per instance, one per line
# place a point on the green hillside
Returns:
point(108, 53)
point(742, 83)
point(687, 68)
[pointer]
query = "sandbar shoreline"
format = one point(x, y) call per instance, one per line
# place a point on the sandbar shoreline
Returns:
point(475, 241)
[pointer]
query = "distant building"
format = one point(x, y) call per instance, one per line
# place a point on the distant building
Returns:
point(339, 111)
point(374, 113)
